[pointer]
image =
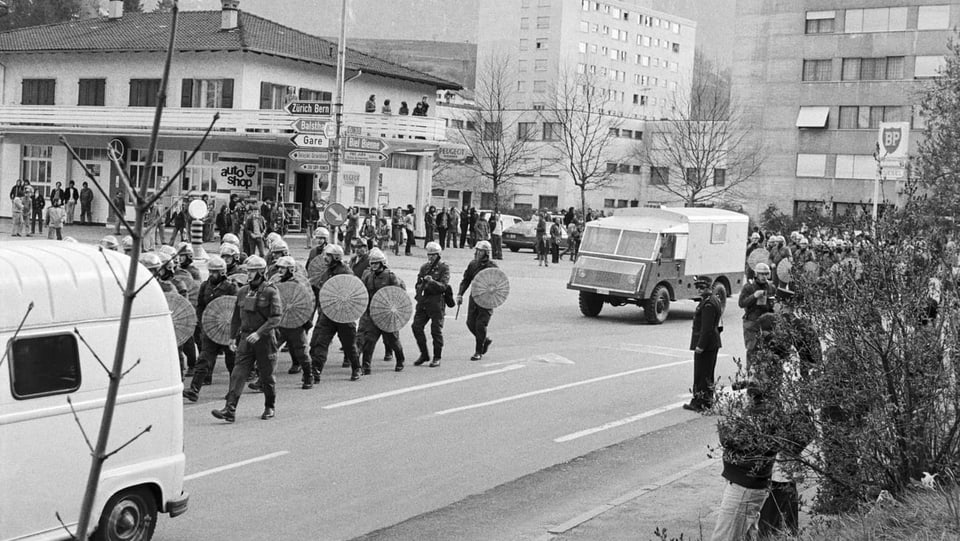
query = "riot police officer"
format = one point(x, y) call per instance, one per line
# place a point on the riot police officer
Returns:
point(216, 286)
point(278, 249)
point(233, 240)
point(255, 317)
point(432, 281)
point(320, 235)
point(478, 318)
point(109, 242)
point(295, 337)
point(231, 256)
point(376, 277)
point(325, 328)
point(185, 260)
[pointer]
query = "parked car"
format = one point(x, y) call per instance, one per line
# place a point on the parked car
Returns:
point(524, 235)
point(508, 219)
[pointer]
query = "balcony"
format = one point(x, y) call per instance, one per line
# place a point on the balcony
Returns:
point(233, 123)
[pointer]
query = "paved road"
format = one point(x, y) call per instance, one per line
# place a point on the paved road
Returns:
point(564, 412)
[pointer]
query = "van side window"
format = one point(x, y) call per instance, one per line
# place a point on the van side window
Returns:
point(668, 246)
point(44, 365)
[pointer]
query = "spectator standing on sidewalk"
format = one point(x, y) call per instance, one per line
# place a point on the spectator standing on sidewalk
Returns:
point(496, 235)
point(408, 225)
point(56, 216)
point(37, 202)
point(86, 204)
point(21, 204)
point(556, 237)
point(121, 203)
point(70, 198)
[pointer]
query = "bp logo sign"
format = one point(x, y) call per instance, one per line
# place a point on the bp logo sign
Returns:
point(891, 139)
point(894, 139)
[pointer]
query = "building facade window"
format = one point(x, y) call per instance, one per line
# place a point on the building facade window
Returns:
point(542, 43)
point(402, 161)
point(875, 20)
point(539, 87)
point(207, 93)
point(872, 69)
point(143, 92)
point(551, 131)
point(92, 92)
point(719, 177)
point(202, 173)
point(817, 70)
point(862, 167)
point(36, 164)
point(524, 23)
point(524, 44)
point(543, 23)
point(492, 131)
point(38, 91)
point(138, 169)
point(820, 22)
point(659, 176)
point(306, 94)
point(863, 117)
point(812, 165)
point(933, 18)
point(929, 66)
point(540, 64)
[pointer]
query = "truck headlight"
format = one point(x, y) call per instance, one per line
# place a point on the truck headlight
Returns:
point(582, 273)
point(632, 280)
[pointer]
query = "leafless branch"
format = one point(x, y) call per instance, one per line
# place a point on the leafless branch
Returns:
point(124, 179)
point(113, 272)
point(92, 352)
point(77, 419)
point(64, 526)
point(130, 369)
point(133, 439)
point(15, 333)
point(155, 197)
point(149, 279)
point(96, 183)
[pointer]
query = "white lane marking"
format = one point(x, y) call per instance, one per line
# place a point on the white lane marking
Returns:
point(242, 463)
point(562, 387)
point(421, 387)
point(621, 422)
point(657, 350)
point(546, 358)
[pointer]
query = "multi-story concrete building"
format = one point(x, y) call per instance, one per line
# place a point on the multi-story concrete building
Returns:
point(95, 81)
point(816, 78)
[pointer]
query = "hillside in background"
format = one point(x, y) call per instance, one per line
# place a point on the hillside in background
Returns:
point(455, 62)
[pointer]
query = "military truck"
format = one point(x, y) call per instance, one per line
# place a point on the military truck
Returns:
point(650, 256)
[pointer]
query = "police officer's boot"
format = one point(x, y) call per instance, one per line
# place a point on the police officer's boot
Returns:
point(294, 368)
point(424, 356)
point(268, 412)
point(191, 394)
point(228, 413)
point(436, 357)
point(307, 376)
point(400, 360)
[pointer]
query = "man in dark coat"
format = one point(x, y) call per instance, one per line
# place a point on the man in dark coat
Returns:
point(705, 343)
point(478, 317)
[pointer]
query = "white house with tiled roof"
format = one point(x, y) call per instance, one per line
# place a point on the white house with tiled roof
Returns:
point(96, 80)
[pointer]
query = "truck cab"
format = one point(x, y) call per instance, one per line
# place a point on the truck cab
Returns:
point(649, 257)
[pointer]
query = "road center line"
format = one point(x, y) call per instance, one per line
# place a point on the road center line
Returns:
point(242, 463)
point(421, 387)
point(621, 422)
point(562, 387)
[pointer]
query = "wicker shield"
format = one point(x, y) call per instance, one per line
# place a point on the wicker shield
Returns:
point(490, 288)
point(298, 304)
point(217, 317)
point(191, 285)
point(315, 270)
point(783, 270)
point(184, 316)
point(390, 308)
point(343, 298)
point(760, 255)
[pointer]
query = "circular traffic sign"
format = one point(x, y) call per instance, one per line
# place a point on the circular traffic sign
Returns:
point(335, 214)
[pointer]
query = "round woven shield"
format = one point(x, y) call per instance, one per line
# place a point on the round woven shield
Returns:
point(315, 270)
point(193, 288)
point(239, 278)
point(300, 273)
point(390, 308)
point(298, 304)
point(760, 255)
point(217, 317)
point(783, 270)
point(343, 298)
point(490, 288)
point(184, 316)
point(810, 267)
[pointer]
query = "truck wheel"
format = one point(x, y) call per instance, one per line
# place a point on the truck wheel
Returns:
point(130, 515)
point(720, 291)
point(658, 306)
point(590, 304)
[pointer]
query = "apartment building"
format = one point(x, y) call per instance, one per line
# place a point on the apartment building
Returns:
point(817, 77)
point(96, 82)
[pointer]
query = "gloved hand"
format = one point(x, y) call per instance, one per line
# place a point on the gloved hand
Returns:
point(253, 338)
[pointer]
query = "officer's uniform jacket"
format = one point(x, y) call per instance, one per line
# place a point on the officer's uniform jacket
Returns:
point(257, 310)
point(472, 269)
point(209, 292)
point(706, 321)
point(433, 291)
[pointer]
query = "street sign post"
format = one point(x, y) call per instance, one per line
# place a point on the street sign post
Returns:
point(313, 167)
point(310, 125)
point(309, 155)
point(355, 156)
point(310, 140)
point(335, 214)
point(367, 144)
point(312, 108)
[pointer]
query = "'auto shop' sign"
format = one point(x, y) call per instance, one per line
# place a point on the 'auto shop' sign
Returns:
point(237, 172)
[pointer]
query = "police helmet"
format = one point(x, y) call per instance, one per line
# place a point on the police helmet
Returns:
point(109, 243)
point(127, 243)
point(286, 262)
point(184, 248)
point(377, 256)
point(334, 251)
point(255, 263)
point(272, 238)
point(216, 263)
point(762, 268)
point(164, 257)
point(151, 261)
point(168, 251)
point(279, 245)
point(483, 245)
point(230, 238)
point(433, 248)
point(321, 233)
point(229, 250)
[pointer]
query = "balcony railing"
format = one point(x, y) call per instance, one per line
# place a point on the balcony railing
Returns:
point(190, 121)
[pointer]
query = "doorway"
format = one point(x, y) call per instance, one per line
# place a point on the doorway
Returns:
point(303, 193)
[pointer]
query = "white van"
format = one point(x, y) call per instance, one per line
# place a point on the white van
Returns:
point(44, 461)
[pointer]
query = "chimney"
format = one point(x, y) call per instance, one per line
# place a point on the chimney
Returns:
point(115, 9)
point(228, 17)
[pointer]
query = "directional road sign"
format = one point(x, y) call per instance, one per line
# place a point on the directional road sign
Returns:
point(368, 144)
point(313, 108)
point(310, 140)
point(335, 214)
point(309, 125)
point(313, 167)
point(309, 155)
point(354, 156)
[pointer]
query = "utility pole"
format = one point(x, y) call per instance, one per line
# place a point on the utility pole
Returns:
point(338, 105)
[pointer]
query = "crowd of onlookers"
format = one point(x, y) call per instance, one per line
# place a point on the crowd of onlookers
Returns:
point(420, 109)
point(30, 205)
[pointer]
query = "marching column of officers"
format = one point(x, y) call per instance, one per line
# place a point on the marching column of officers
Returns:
point(255, 329)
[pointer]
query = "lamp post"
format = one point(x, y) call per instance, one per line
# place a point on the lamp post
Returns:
point(338, 105)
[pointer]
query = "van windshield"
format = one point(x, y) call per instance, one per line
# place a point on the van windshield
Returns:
point(600, 240)
point(637, 244)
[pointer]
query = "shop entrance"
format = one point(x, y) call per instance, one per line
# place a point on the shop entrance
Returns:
point(303, 193)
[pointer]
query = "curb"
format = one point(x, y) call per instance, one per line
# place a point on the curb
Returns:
point(629, 496)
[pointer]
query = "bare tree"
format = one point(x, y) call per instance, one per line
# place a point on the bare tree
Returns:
point(500, 150)
point(583, 133)
point(704, 151)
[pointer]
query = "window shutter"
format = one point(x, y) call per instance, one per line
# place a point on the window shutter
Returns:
point(101, 92)
point(26, 97)
point(49, 87)
point(227, 95)
point(134, 87)
point(186, 93)
point(265, 100)
point(302, 93)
